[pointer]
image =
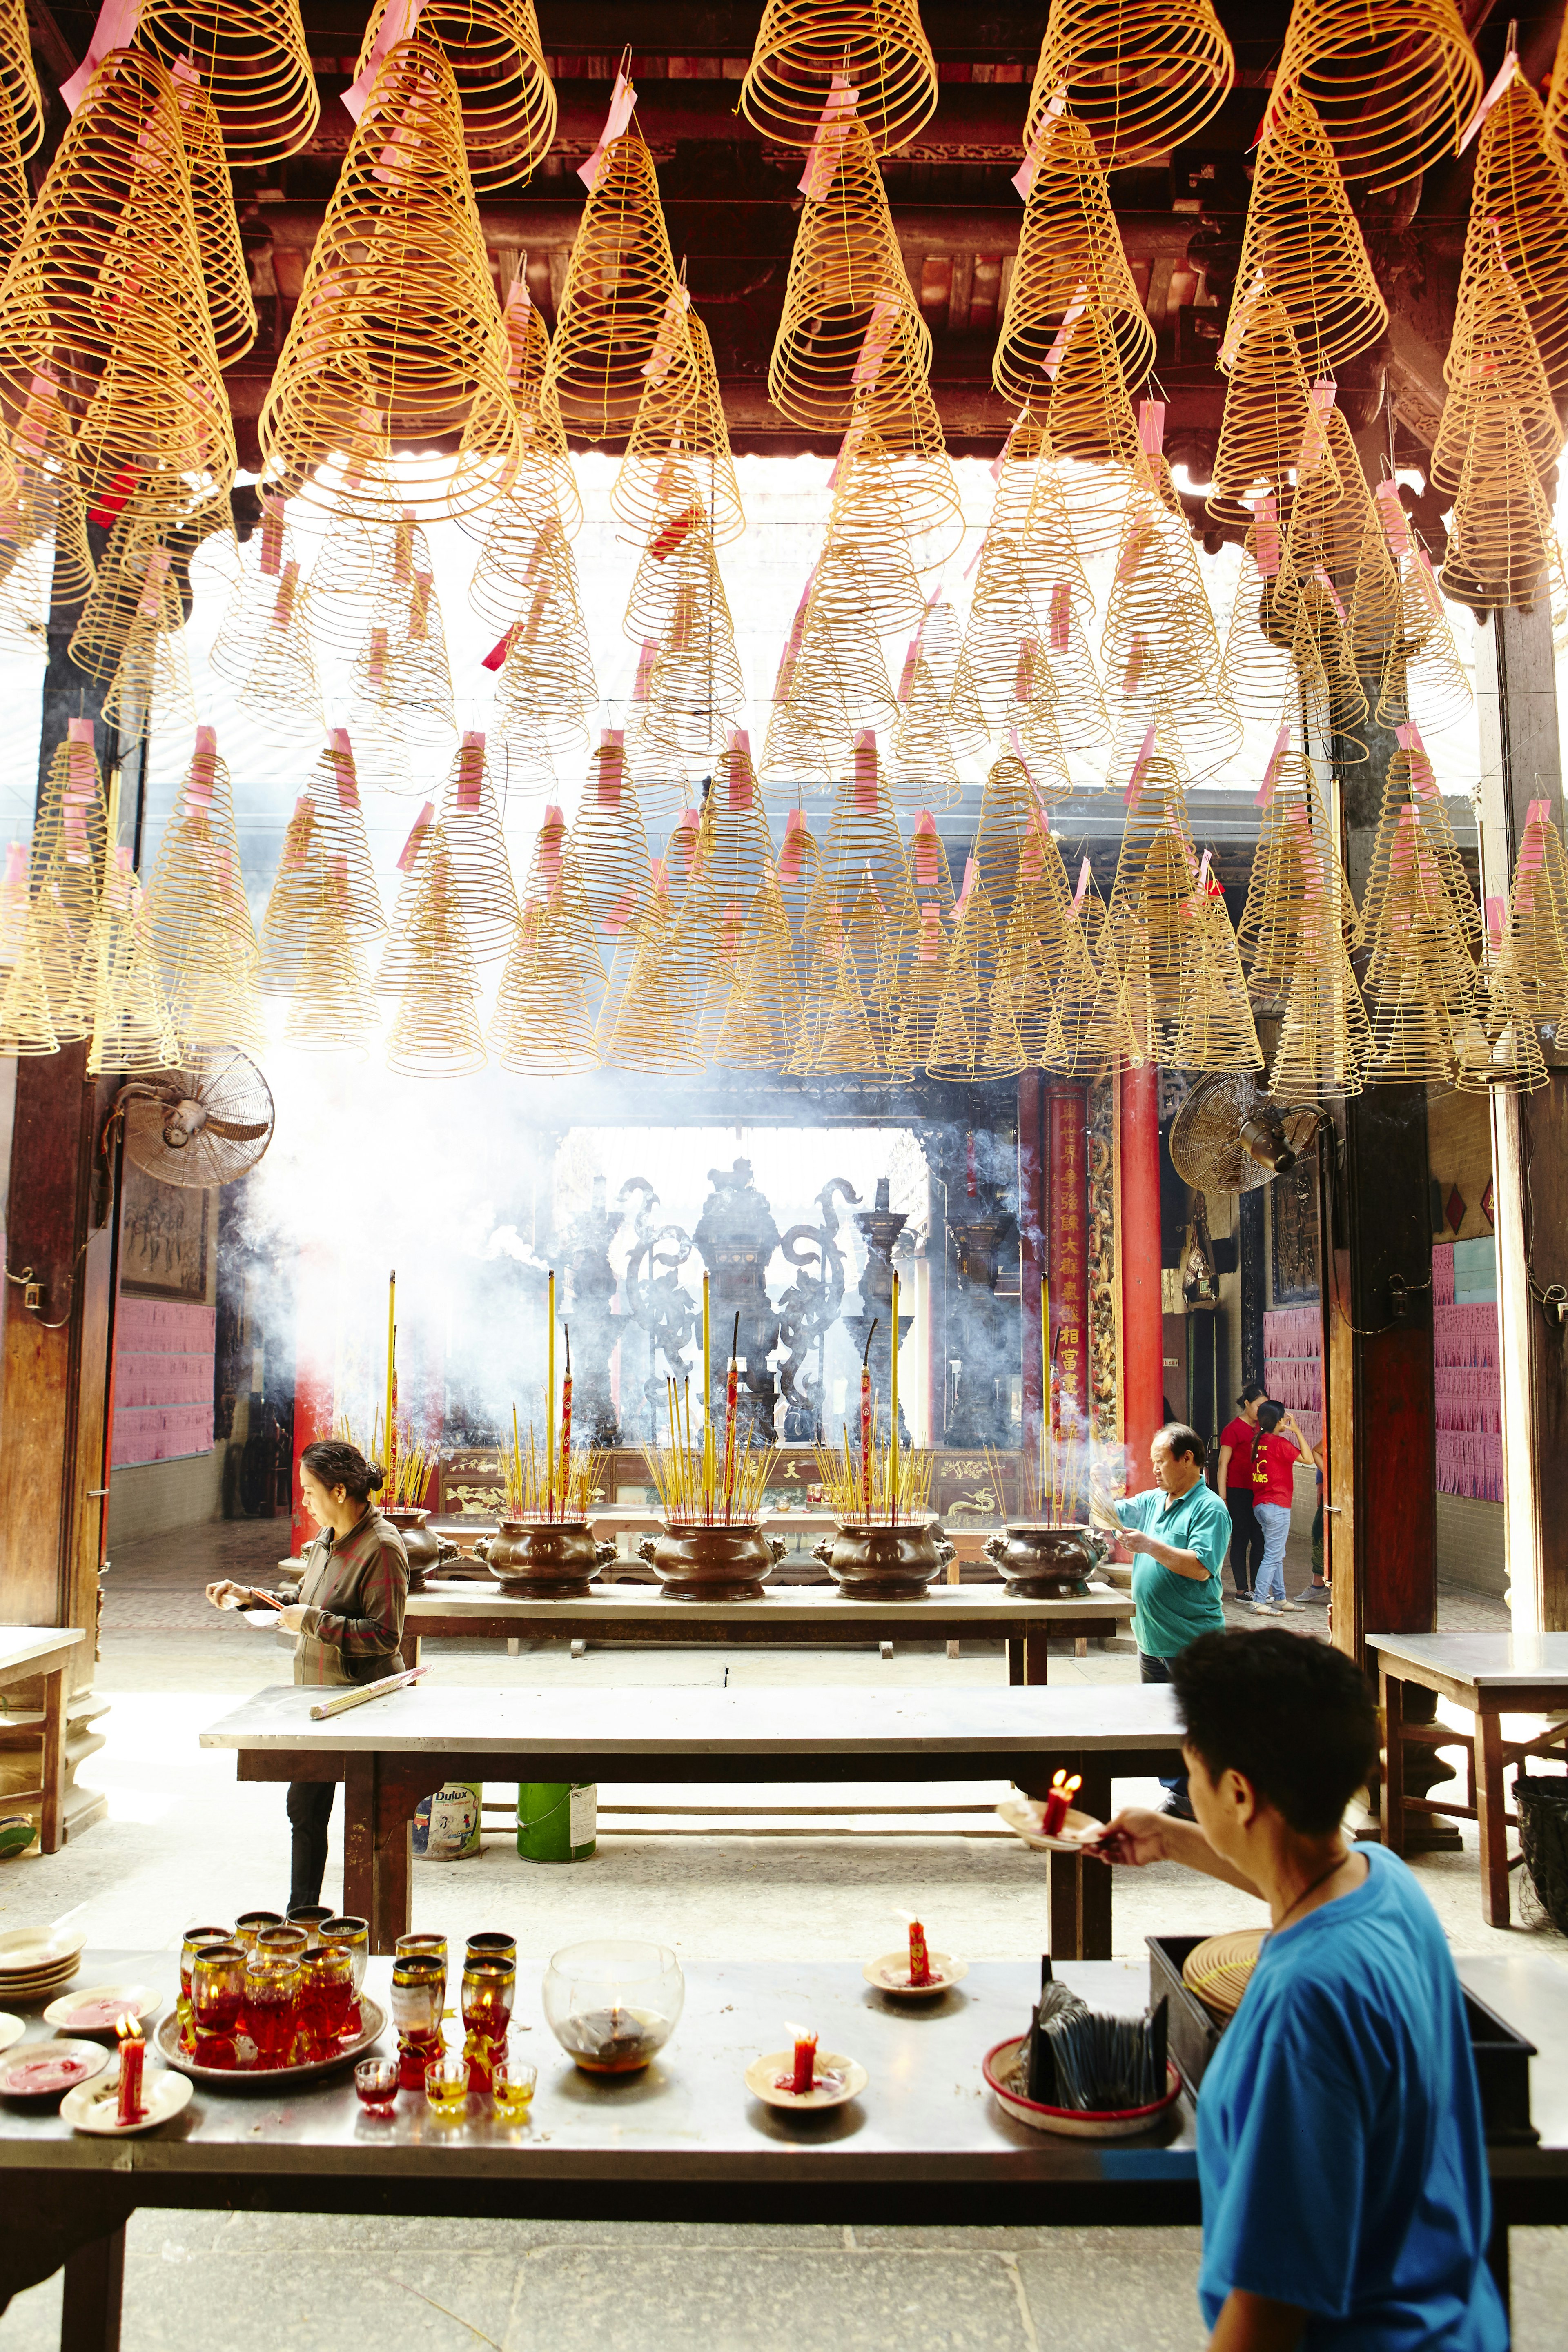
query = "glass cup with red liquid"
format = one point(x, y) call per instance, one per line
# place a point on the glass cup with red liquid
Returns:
point(272, 2007)
point(377, 2084)
point(418, 2003)
point(191, 1943)
point(349, 1933)
point(217, 2001)
point(326, 1990)
point(490, 1988)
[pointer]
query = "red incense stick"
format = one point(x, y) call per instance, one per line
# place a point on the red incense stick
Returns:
point(566, 1421)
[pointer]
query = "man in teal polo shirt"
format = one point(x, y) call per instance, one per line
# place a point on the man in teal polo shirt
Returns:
point(1179, 1533)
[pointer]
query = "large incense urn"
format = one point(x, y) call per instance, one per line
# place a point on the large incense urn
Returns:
point(873, 1559)
point(421, 1544)
point(695, 1561)
point(545, 1559)
point(1043, 1563)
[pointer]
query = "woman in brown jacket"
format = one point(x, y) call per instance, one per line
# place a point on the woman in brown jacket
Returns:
point(347, 1620)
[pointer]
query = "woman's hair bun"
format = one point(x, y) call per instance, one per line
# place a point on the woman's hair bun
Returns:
point(376, 1479)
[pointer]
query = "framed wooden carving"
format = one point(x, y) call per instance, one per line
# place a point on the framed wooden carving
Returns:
point(163, 1239)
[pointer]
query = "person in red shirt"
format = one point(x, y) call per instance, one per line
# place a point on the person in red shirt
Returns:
point(1235, 1482)
point(1276, 1446)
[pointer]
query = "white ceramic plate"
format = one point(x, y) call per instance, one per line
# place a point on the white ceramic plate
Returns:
point(10, 2029)
point(34, 1951)
point(19, 2071)
point(891, 1974)
point(36, 1989)
point(763, 2073)
point(95, 2106)
point(115, 2002)
point(1023, 1816)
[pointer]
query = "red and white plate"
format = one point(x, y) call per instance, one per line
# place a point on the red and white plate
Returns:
point(98, 2009)
point(849, 2080)
point(43, 2070)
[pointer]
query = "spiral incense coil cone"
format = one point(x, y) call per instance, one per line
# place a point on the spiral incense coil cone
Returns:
point(1495, 1045)
point(1272, 433)
point(1158, 649)
point(477, 870)
point(546, 690)
point(1303, 242)
point(498, 64)
point(1215, 1030)
point(1423, 676)
point(848, 295)
point(27, 1025)
point(19, 92)
point(294, 904)
point(921, 758)
point(136, 583)
point(1333, 699)
point(1070, 1043)
point(132, 1028)
point(1411, 793)
point(609, 840)
point(16, 189)
point(264, 645)
point(1519, 214)
point(1494, 366)
point(1094, 436)
point(400, 677)
point(364, 574)
point(693, 692)
point(70, 832)
point(1535, 938)
point(1140, 75)
point(554, 979)
point(1294, 852)
point(253, 57)
point(805, 53)
point(1069, 253)
point(1394, 82)
point(797, 874)
point(1003, 672)
point(894, 426)
point(1258, 677)
point(976, 1035)
point(1006, 837)
point(679, 453)
point(760, 1025)
point(734, 845)
point(653, 1008)
point(435, 1033)
point(341, 836)
point(225, 276)
point(923, 994)
point(835, 1029)
point(1016, 471)
point(151, 689)
point(1502, 547)
point(332, 1008)
point(1418, 931)
point(104, 300)
point(199, 918)
point(620, 286)
point(867, 520)
point(47, 503)
point(396, 338)
point(862, 848)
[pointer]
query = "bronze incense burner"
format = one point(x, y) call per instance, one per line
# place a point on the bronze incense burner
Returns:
point(1045, 1563)
point(545, 1559)
point(420, 1542)
point(878, 1559)
point(695, 1561)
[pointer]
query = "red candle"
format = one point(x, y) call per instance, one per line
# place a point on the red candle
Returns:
point(866, 1436)
point(919, 1958)
point(566, 1437)
point(805, 2076)
point(1058, 1802)
point(133, 2056)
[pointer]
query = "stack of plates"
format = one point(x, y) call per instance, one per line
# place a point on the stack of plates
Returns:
point(37, 1963)
point(1219, 1968)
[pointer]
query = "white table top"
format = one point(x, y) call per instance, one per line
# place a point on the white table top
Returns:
point(809, 1603)
point(1490, 1661)
point(647, 1723)
point(19, 1644)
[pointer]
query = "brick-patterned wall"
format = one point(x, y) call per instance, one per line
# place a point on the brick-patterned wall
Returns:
point(163, 1381)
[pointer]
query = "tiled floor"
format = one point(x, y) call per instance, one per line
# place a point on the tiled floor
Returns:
point(182, 1833)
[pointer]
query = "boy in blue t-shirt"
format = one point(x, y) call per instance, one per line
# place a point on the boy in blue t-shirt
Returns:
point(1346, 2201)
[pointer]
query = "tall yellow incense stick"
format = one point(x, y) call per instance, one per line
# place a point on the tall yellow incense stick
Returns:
point(549, 1405)
point(707, 1404)
point(390, 1356)
point(893, 1434)
point(1043, 1504)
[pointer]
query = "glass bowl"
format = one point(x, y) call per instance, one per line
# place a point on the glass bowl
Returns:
point(613, 2004)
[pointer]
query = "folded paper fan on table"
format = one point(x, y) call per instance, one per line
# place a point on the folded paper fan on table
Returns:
point(620, 283)
point(1141, 75)
point(804, 56)
point(848, 295)
point(104, 300)
point(402, 682)
point(1069, 251)
point(397, 338)
point(436, 1033)
point(493, 47)
point(1394, 82)
point(679, 454)
point(1303, 242)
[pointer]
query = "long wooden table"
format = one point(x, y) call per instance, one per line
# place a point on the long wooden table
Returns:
point(795, 1615)
point(391, 1751)
point(923, 2144)
point(1491, 1675)
point(33, 1653)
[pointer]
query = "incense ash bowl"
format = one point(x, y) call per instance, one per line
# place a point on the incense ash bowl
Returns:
point(545, 1559)
point(696, 1562)
point(1042, 1563)
point(420, 1543)
point(873, 1561)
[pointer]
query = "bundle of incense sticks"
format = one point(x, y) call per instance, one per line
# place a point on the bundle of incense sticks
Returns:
point(898, 1477)
point(697, 1485)
point(545, 1481)
point(408, 1463)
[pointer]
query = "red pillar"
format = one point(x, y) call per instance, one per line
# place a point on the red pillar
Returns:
point(1032, 1239)
point(315, 1371)
point(1143, 1335)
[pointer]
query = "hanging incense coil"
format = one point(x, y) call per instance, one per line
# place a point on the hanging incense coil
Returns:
point(136, 583)
point(132, 1029)
point(922, 770)
point(1158, 649)
point(1324, 1040)
point(804, 53)
point(22, 101)
point(1423, 676)
point(1303, 242)
point(297, 903)
point(1143, 939)
point(1494, 362)
point(1502, 547)
point(848, 295)
point(1496, 1048)
point(341, 837)
point(396, 338)
point(1261, 674)
point(1272, 435)
point(264, 645)
point(498, 63)
point(334, 1009)
point(1072, 1044)
point(1215, 1030)
point(46, 517)
point(798, 873)
point(224, 274)
point(1063, 927)
point(1533, 941)
point(922, 994)
point(1069, 252)
point(27, 1025)
point(198, 915)
point(679, 454)
point(1094, 439)
point(151, 691)
point(1142, 75)
point(976, 1034)
point(546, 690)
point(525, 581)
point(479, 870)
point(1269, 927)
point(67, 860)
point(609, 840)
point(620, 291)
point(760, 1025)
point(435, 1032)
point(401, 679)
point(693, 691)
point(16, 189)
point(734, 846)
point(850, 1002)
point(364, 574)
point(657, 990)
point(1519, 214)
point(1412, 1029)
point(1006, 835)
point(1394, 81)
point(865, 520)
point(257, 67)
point(832, 681)
point(543, 1018)
point(104, 297)
point(1418, 901)
point(1003, 672)
point(862, 842)
point(1333, 699)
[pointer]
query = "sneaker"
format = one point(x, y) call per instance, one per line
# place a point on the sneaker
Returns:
point(1268, 1608)
point(1296, 1605)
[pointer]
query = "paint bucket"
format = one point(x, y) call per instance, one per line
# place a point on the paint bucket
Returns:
point(446, 1824)
point(557, 1820)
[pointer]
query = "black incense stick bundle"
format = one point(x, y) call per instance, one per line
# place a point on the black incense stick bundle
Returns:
point(1096, 2063)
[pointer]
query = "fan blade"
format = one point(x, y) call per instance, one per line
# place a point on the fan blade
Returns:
point(233, 1132)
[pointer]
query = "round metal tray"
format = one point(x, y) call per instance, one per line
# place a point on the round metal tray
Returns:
point(261, 2078)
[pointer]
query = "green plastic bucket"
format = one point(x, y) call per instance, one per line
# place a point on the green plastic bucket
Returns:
point(557, 1820)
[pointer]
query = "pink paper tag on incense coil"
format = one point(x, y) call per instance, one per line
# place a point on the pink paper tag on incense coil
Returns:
point(495, 657)
point(1428, 580)
point(827, 140)
point(675, 532)
point(866, 772)
point(930, 934)
point(552, 836)
point(670, 337)
point(1395, 523)
point(514, 318)
point(297, 841)
point(343, 764)
point(923, 849)
point(1023, 178)
point(1000, 459)
point(1070, 316)
point(1423, 780)
point(1133, 548)
point(1061, 616)
point(402, 548)
point(1331, 592)
point(961, 901)
point(1272, 773)
point(1132, 670)
point(1151, 427)
point(15, 863)
point(282, 612)
point(1496, 920)
point(150, 602)
point(623, 99)
point(879, 336)
point(398, 24)
point(1266, 536)
point(907, 676)
point(37, 411)
point(1140, 766)
point(1024, 674)
point(413, 848)
point(738, 771)
point(419, 608)
point(271, 561)
point(1499, 82)
point(202, 778)
point(115, 29)
point(611, 760)
point(471, 773)
point(1241, 318)
point(792, 855)
point(643, 678)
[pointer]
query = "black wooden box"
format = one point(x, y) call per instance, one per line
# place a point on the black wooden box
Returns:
point(1502, 2057)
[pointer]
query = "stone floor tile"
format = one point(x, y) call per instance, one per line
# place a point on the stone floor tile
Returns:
point(1108, 2290)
